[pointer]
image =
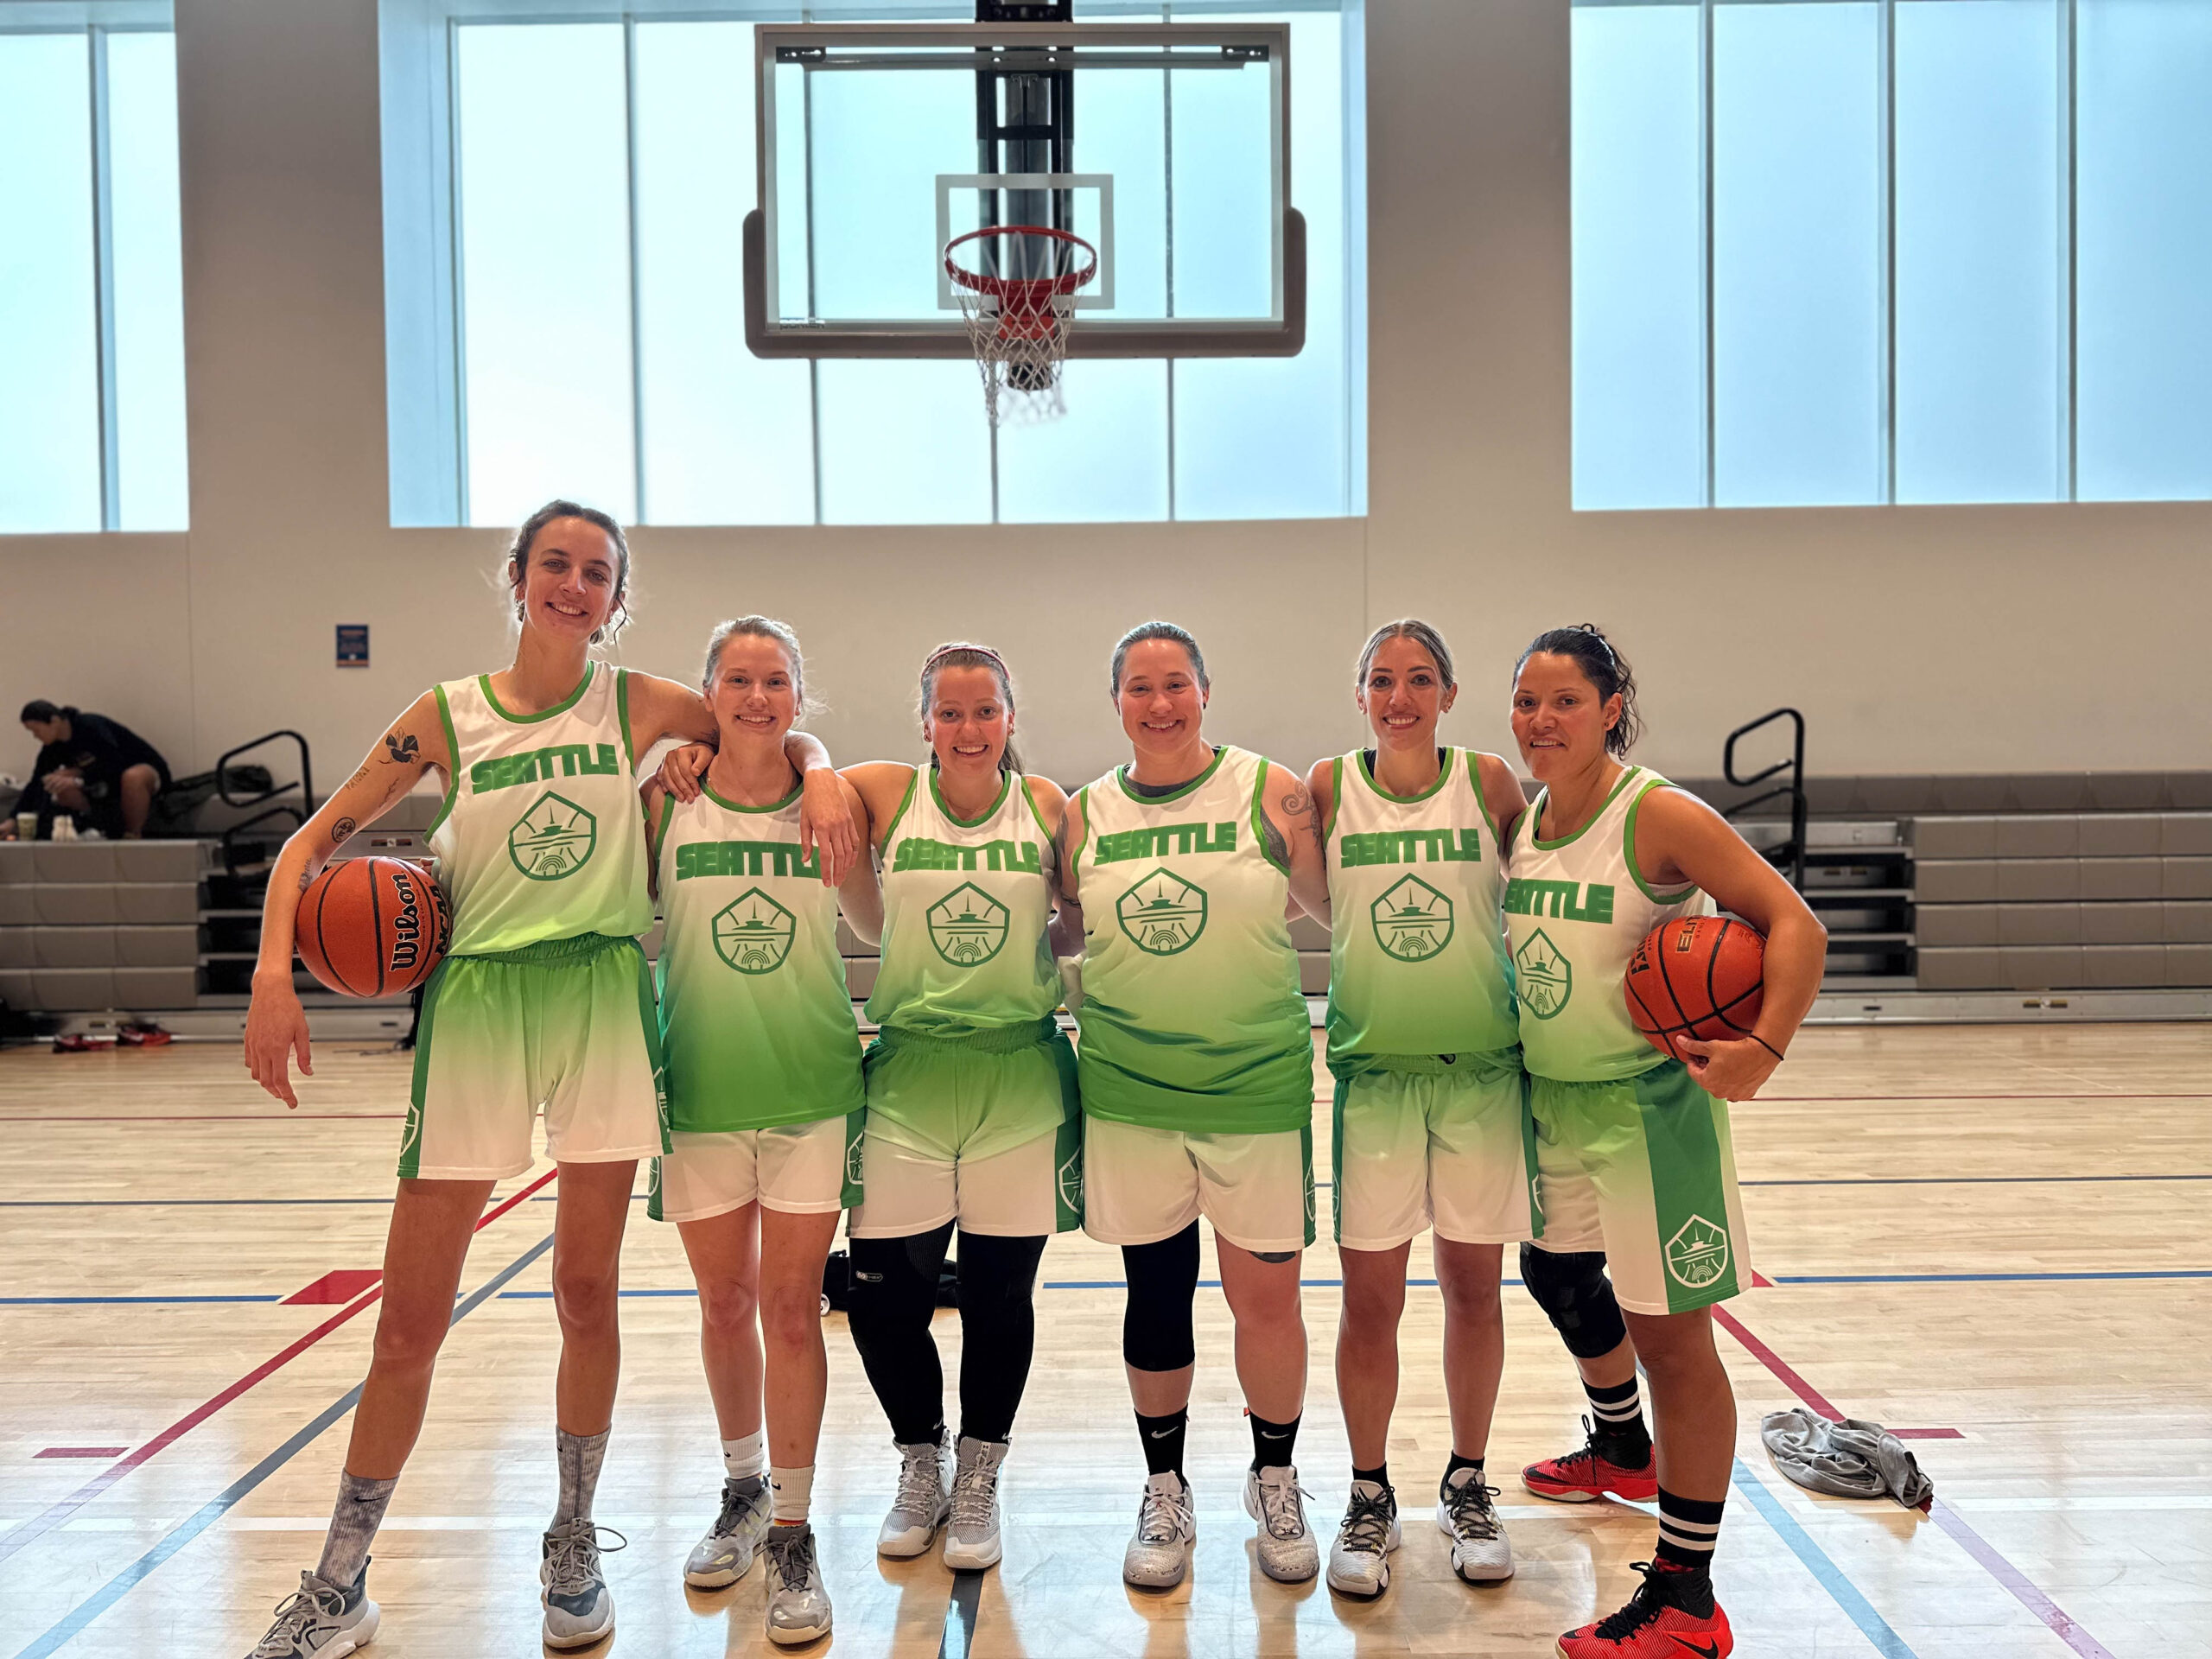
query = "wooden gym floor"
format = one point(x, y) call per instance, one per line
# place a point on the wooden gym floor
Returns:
point(1998, 1237)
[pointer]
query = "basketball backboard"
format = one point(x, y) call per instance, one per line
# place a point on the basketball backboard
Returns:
point(1162, 150)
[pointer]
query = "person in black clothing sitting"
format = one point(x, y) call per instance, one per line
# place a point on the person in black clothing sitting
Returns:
point(95, 770)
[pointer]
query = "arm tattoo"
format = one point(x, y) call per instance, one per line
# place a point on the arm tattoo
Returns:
point(341, 831)
point(305, 880)
point(358, 776)
point(1278, 845)
point(403, 749)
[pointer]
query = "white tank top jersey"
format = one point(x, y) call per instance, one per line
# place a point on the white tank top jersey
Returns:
point(966, 905)
point(1417, 959)
point(540, 836)
point(1575, 911)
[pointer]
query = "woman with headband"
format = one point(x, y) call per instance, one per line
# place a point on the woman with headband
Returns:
point(1635, 1165)
point(1432, 1124)
point(972, 1115)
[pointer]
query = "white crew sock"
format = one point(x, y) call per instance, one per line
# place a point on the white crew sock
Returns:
point(746, 1457)
point(794, 1491)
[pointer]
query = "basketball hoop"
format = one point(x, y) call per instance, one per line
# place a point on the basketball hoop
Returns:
point(1019, 324)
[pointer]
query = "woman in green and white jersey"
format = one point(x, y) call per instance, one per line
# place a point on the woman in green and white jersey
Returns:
point(764, 1105)
point(1432, 1130)
point(1632, 1147)
point(972, 1116)
point(1197, 1067)
point(542, 1001)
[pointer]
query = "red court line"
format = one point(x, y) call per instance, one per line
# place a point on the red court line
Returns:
point(208, 1117)
point(42, 1523)
point(81, 1452)
point(2055, 1619)
point(1928, 1433)
point(2078, 1094)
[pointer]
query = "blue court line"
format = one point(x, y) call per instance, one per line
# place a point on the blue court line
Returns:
point(1841, 1590)
point(72, 1624)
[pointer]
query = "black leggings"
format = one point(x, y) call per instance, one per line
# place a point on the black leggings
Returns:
point(894, 1294)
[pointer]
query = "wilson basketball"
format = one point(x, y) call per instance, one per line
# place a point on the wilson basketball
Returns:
point(372, 926)
point(1700, 977)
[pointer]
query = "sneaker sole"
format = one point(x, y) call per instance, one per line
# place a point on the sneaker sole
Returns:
point(579, 1639)
point(720, 1578)
point(973, 1560)
point(783, 1638)
point(1360, 1591)
point(1636, 1494)
point(904, 1546)
point(1156, 1584)
point(361, 1635)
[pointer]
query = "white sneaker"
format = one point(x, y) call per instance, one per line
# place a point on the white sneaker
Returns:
point(321, 1621)
point(1167, 1527)
point(1480, 1554)
point(922, 1501)
point(799, 1601)
point(725, 1555)
point(1359, 1561)
point(579, 1607)
point(971, 1542)
point(1274, 1499)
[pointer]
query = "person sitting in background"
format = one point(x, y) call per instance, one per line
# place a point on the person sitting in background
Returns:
point(90, 768)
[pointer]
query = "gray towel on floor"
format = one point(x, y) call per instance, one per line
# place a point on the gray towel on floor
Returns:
point(1850, 1458)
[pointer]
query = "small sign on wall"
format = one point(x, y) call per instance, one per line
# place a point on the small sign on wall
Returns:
point(353, 645)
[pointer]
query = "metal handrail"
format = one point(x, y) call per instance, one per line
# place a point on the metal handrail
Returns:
point(1794, 850)
point(307, 772)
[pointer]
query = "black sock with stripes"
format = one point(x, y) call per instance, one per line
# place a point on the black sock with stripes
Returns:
point(1618, 1413)
point(1689, 1529)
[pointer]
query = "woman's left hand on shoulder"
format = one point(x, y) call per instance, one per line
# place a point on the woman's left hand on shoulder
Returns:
point(832, 822)
point(1734, 1070)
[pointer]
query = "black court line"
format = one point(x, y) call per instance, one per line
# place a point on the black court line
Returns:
point(959, 1638)
point(73, 1623)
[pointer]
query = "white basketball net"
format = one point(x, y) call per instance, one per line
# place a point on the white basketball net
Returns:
point(1021, 341)
point(1018, 325)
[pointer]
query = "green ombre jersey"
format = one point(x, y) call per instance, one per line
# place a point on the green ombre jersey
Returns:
point(1417, 959)
point(966, 905)
point(757, 1028)
point(1575, 911)
point(540, 836)
point(1192, 1018)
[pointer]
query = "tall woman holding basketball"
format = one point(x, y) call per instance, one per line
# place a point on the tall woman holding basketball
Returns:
point(1432, 1126)
point(1197, 1069)
point(544, 1000)
point(1633, 1147)
point(764, 1101)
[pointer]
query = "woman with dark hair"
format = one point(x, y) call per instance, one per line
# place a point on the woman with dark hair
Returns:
point(1636, 1168)
point(1432, 1126)
point(543, 1000)
point(91, 769)
point(1197, 1069)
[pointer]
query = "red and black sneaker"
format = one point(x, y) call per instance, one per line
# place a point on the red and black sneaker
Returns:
point(143, 1033)
point(1580, 1476)
point(1655, 1625)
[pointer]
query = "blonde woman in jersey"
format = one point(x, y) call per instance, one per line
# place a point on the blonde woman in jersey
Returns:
point(544, 1000)
point(1633, 1147)
point(972, 1115)
point(1432, 1128)
point(764, 1105)
point(1197, 1070)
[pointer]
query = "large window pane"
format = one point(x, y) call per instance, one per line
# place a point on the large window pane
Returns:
point(728, 436)
point(903, 443)
point(149, 281)
point(1797, 274)
point(1639, 258)
point(1981, 389)
point(49, 349)
point(1267, 437)
point(545, 267)
point(2144, 220)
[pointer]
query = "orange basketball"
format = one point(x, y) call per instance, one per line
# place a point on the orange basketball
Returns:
point(1697, 977)
point(372, 926)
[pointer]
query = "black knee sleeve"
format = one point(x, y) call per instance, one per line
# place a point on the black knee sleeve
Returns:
point(998, 1329)
point(1156, 1334)
point(1577, 1297)
point(894, 1295)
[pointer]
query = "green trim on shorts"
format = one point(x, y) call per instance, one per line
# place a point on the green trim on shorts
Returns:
point(977, 1039)
point(1336, 1160)
point(649, 1018)
point(1067, 1140)
point(1306, 1157)
point(576, 948)
point(410, 1138)
point(854, 1184)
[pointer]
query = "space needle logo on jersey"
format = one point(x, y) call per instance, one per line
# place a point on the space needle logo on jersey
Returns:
point(1163, 914)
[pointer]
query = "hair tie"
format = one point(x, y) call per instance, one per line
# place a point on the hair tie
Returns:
point(1591, 628)
point(943, 652)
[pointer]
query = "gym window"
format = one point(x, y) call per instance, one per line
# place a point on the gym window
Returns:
point(91, 292)
point(565, 311)
point(1846, 252)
